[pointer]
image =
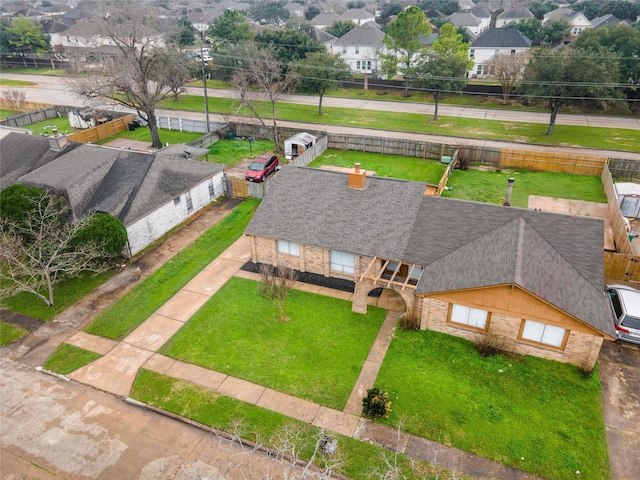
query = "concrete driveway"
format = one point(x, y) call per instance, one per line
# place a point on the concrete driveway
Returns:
point(620, 377)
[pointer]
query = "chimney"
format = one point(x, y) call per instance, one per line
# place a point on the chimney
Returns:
point(57, 142)
point(357, 178)
point(507, 199)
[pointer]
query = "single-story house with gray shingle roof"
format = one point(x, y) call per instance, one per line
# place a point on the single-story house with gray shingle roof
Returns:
point(150, 193)
point(534, 279)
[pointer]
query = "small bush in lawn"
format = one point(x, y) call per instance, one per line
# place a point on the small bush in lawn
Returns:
point(376, 404)
point(409, 322)
point(489, 344)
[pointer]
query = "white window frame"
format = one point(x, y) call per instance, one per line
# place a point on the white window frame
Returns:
point(287, 247)
point(468, 317)
point(343, 262)
point(357, 50)
point(543, 334)
point(344, 49)
point(177, 201)
point(358, 65)
point(189, 202)
point(212, 189)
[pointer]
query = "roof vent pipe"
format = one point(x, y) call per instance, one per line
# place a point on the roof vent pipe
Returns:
point(507, 199)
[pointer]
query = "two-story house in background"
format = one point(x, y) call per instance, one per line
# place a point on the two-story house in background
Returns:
point(496, 41)
point(361, 48)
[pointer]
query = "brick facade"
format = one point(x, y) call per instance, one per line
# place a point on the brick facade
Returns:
point(581, 349)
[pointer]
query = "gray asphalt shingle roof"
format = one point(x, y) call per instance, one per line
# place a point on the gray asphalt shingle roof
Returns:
point(126, 184)
point(461, 244)
point(364, 36)
point(507, 37)
point(22, 154)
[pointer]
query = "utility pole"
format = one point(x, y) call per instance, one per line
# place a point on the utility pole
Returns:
point(204, 83)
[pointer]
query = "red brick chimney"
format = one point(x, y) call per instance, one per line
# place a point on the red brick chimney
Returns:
point(357, 178)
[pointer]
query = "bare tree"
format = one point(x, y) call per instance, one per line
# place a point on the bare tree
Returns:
point(283, 459)
point(508, 69)
point(277, 281)
point(260, 76)
point(13, 100)
point(41, 249)
point(133, 76)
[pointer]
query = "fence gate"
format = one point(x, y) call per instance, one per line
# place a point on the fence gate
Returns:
point(237, 187)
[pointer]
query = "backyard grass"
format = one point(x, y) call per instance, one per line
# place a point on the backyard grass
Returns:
point(7, 113)
point(65, 294)
point(68, 358)
point(362, 460)
point(143, 134)
point(230, 152)
point(45, 126)
point(519, 132)
point(126, 314)
point(317, 354)
point(490, 187)
point(53, 72)
point(9, 333)
point(394, 166)
point(532, 414)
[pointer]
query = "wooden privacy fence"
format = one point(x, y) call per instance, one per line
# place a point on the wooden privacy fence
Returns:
point(105, 130)
point(447, 173)
point(622, 264)
point(311, 153)
point(21, 106)
point(552, 161)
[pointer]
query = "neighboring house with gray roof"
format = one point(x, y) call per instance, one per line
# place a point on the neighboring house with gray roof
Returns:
point(577, 19)
point(94, 34)
point(150, 193)
point(483, 15)
point(466, 20)
point(359, 16)
point(607, 19)
point(513, 14)
point(361, 48)
point(464, 268)
point(496, 41)
point(324, 20)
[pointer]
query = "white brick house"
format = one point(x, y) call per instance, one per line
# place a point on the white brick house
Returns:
point(496, 41)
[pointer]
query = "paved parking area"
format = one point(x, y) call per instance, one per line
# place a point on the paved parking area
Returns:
point(620, 378)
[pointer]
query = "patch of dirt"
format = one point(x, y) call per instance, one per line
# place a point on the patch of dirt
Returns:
point(18, 320)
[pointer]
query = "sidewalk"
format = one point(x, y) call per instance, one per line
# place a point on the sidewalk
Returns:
point(115, 372)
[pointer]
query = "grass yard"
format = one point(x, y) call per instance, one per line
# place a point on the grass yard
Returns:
point(361, 460)
point(394, 166)
point(9, 333)
point(61, 123)
point(532, 414)
point(143, 134)
point(316, 355)
point(491, 187)
point(126, 314)
point(68, 358)
point(230, 152)
point(520, 132)
point(7, 113)
point(7, 83)
point(53, 72)
point(65, 294)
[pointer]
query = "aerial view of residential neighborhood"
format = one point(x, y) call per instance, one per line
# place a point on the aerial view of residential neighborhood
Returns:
point(316, 239)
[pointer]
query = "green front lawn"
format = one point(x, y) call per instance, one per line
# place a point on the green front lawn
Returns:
point(65, 294)
point(491, 187)
point(394, 166)
point(361, 460)
point(519, 132)
point(68, 358)
point(533, 414)
point(317, 354)
point(126, 314)
point(230, 152)
point(9, 333)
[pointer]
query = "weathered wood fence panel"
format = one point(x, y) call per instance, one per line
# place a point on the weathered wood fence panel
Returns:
point(33, 116)
point(618, 225)
point(311, 153)
point(19, 106)
point(237, 187)
point(552, 161)
point(447, 173)
point(105, 130)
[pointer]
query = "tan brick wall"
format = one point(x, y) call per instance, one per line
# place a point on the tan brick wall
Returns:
point(581, 349)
